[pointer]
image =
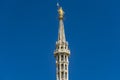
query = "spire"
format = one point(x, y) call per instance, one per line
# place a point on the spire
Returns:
point(61, 34)
point(62, 51)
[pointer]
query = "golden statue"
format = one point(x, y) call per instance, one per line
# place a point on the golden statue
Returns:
point(61, 13)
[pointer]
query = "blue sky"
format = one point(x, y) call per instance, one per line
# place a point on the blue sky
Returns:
point(28, 32)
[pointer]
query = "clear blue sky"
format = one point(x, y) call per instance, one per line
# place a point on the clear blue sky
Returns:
point(29, 28)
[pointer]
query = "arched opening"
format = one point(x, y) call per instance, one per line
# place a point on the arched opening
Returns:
point(65, 75)
point(65, 67)
point(62, 75)
point(58, 58)
point(65, 58)
point(61, 47)
point(61, 57)
point(62, 66)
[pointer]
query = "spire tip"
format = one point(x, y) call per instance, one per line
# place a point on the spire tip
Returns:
point(60, 12)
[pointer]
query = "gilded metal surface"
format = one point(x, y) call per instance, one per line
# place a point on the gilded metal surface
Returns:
point(61, 13)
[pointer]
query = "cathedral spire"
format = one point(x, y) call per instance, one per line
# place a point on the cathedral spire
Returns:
point(62, 51)
point(61, 34)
